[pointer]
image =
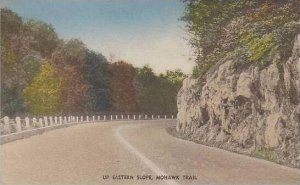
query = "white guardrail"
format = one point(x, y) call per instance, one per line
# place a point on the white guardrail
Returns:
point(13, 129)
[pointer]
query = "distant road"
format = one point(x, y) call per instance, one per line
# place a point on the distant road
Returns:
point(83, 154)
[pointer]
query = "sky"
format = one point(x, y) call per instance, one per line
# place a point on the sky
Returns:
point(138, 31)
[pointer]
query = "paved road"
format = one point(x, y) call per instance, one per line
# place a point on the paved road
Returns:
point(83, 154)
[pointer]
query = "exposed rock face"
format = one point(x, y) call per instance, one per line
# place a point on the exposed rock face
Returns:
point(248, 109)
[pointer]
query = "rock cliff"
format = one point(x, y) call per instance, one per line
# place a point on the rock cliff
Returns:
point(247, 109)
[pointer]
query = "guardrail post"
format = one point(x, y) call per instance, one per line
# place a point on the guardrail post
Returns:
point(27, 123)
point(77, 119)
point(122, 116)
point(152, 116)
point(38, 122)
point(34, 122)
point(60, 120)
point(45, 121)
point(165, 116)
point(6, 124)
point(93, 118)
point(65, 119)
point(111, 117)
point(104, 117)
point(172, 117)
point(134, 117)
point(116, 117)
point(51, 120)
point(18, 122)
point(87, 118)
point(55, 120)
point(81, 118)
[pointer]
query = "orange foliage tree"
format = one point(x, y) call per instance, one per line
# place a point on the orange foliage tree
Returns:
point(122, 86)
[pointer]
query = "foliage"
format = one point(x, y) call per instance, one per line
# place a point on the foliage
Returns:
point(42, 74)
point(68, 60)
point(44, 36)
point(249, 29)
point(122, 87)
point(44, 94)
point(97, 75)
point(158, 94)
point(265, 153)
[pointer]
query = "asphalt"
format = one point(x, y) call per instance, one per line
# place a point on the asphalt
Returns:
point(130, 152)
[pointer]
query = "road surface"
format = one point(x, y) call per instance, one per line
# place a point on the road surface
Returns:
point(123, 150)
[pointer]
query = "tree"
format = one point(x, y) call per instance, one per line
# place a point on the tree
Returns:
point(44, 94)
point(45, 40)
point(158, 94)
point(97, 75)
point(123, 91)
point(68, 60)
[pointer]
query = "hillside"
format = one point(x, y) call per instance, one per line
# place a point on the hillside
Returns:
point(244, 93)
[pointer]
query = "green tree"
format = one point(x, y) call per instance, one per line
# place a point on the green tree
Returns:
point(158, 94)
point(97, 75)
point(45, 40)
point(44, 94)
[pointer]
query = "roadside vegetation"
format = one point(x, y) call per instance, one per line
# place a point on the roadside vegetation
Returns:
point(251, 31)
point(42, 74)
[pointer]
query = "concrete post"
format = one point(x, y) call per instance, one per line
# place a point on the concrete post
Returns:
point(81, 118)
point(152, 116)
point(6, 125)
point(38, 122)
point(111, 117)
point(27, 123)
point(98, 118)
point(55, 120)
point(87, 118)
point(93, 118)
point(51, 121)
point(172, 117)
point(46, 121)
point(122, 116)
point(140, 116)
point(18, 123)
point(35, 123)
point(158, 116)
point(77, 119)
point(146, 116)
point(165, 116)
point(134, 117)
point(104, 117)
point(116, 117)
point(128, 116)
point(60, 120)
point(65, 119)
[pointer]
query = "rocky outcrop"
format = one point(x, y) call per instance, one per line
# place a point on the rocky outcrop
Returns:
point(245, 108)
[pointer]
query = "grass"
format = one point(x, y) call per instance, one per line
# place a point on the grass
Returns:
point(265, 153)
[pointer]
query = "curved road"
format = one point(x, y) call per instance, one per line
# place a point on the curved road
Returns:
point(84, 154)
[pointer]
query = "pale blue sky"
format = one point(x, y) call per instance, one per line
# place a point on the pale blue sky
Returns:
point(138, 31)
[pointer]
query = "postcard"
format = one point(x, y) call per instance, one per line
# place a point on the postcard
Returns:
point(145, 92)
